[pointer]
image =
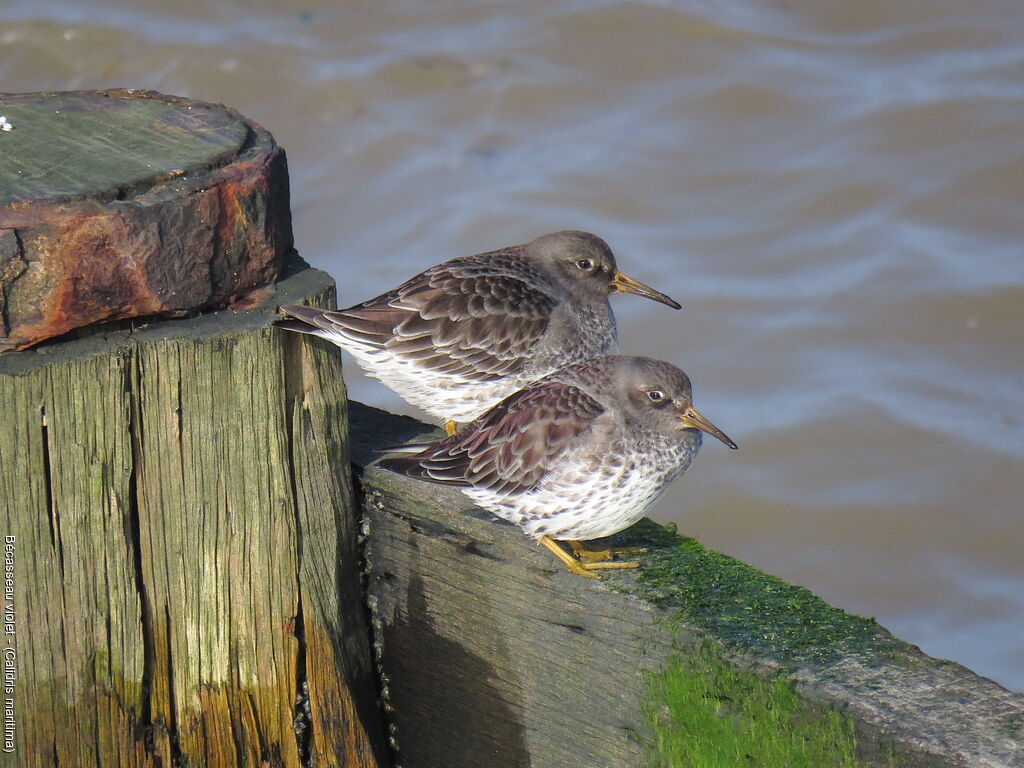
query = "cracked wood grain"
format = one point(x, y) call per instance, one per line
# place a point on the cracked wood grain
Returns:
point(187, 569)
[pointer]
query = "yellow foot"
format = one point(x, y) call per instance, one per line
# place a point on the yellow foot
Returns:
point(450, 428)
point(595, 556)
point(578, 567)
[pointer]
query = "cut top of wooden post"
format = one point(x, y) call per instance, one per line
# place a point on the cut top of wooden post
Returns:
point(115, 204)
point(101, 145)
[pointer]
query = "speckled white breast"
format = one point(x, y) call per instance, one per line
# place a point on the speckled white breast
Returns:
point(587, 498)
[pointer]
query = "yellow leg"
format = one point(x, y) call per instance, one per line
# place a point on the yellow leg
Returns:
point(450, 428)
point(582, 568)
point(594, 556)
point(570, 562)
point(611, 566)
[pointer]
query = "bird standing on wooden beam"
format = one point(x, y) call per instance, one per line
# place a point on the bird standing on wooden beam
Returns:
point(578, 455)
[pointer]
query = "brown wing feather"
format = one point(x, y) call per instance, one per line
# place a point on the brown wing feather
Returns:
point(454, 318)
point(512, 446)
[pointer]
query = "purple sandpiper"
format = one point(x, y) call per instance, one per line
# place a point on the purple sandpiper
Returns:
point(578, 455)
point(457, 338)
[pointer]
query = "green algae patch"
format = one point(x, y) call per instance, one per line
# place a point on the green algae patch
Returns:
point(706, 713)
point(741, 606)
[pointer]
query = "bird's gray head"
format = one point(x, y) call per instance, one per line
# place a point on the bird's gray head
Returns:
point(657, 395)
point(585, 265)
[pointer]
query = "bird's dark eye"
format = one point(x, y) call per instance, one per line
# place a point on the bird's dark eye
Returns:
point(656, 395)
point(585, 264)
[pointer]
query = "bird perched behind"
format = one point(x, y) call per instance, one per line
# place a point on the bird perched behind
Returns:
point(459, 337)
point(578, 455)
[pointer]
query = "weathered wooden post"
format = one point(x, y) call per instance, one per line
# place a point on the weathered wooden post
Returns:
point(176, 494)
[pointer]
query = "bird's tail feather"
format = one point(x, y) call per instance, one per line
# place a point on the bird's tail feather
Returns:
point(403, 465)
point(300, 318)
point(412, 466)
point(336, 325)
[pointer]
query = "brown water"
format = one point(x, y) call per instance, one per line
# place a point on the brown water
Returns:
point(833, 190)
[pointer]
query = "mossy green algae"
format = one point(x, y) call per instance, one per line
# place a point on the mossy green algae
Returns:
point(705, 708)
point(740, 606)
point(705, 712)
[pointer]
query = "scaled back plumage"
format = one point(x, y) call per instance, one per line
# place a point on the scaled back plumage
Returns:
point(458, 337)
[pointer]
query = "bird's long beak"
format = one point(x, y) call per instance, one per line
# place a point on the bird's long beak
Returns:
point(623, 284)
point(694, 420)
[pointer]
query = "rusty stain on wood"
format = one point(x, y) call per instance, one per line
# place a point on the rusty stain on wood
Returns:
point(190, 211)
